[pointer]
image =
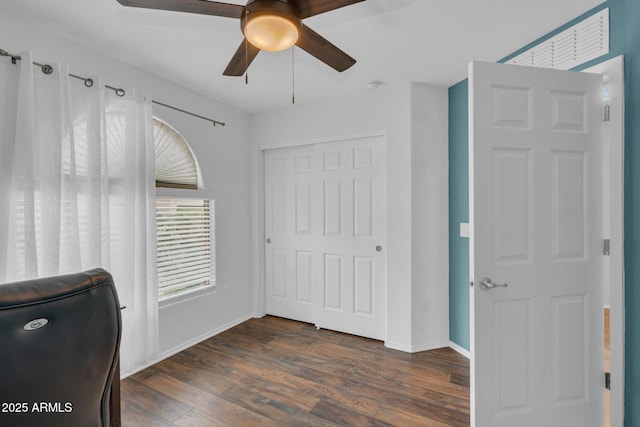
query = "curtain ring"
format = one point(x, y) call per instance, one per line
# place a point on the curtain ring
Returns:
point(46, 68)
point(88, 82)
point(120, 92)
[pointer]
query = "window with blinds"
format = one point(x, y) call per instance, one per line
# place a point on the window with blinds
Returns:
point(184, 244)
point(184, 219)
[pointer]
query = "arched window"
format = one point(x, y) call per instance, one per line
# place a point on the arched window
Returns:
point(184, 218)
point(176, 165)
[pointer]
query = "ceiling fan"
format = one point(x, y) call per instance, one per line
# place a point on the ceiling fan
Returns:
point(271, 25)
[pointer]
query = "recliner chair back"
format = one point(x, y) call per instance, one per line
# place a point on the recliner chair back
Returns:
point(59, 343)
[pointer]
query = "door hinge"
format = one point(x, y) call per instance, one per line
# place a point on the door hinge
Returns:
point(606, 247)
point(607, 113)
point(607, 380)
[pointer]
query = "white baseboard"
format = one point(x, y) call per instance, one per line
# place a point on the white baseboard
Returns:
point(463, 351)
point(190, 343)
point(415, 348)
point(397, 346)
point(429, 346)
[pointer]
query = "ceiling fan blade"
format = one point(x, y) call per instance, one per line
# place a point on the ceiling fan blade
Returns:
point(316, 45)
point(309, 8)
point(202, 7)
point(241, 60)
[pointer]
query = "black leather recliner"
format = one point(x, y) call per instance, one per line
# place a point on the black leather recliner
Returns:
point(59, 343)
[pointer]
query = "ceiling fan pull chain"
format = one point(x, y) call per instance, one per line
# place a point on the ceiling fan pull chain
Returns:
point(246, 62)
point(293, 78)
point(246, 55)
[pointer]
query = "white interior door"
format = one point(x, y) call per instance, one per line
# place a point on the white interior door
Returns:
point(325, 229)
point(536, 218)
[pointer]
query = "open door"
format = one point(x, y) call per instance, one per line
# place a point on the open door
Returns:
point(536, 246)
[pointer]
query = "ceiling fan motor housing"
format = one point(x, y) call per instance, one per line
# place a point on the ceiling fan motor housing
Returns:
point(260, 9)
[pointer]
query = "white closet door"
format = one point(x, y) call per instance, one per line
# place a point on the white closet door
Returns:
point(325, 223)
point(289, 245)
point(351, 273)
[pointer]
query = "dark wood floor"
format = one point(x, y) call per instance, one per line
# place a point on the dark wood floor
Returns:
point(277, 372)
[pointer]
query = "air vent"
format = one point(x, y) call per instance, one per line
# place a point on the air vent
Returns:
point(576, 45)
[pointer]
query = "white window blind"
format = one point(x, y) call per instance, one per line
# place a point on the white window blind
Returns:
point(175, 163)
point(185, 245)
point(584, 41)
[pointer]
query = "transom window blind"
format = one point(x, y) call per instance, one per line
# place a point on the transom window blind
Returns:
point(584, 41)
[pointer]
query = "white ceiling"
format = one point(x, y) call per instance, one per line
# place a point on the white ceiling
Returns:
point(394, 41)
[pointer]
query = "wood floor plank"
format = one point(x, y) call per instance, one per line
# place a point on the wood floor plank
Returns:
point(136, 415)
point(344, 417)
point(424, 409)
point(281, 412)
point(196, 418)
point(278, 372)
point(315, 384)
point(204, 379)
point(213, 405)
point(156, 403)
point(284, 394)
point(410, 387)
point(400, 417)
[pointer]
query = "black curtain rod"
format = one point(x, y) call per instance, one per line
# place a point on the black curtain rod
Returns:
point(215, 122)
point(48, 69)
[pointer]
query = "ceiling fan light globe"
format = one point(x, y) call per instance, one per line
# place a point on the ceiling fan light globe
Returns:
point(271, 32)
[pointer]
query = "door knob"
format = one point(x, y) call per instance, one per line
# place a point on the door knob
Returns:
point(486, 284)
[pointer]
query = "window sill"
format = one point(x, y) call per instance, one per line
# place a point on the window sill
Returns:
point(181, 193)
point(186, 296)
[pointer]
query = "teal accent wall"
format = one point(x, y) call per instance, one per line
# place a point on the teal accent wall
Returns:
point(624, 19)
point(458, 213)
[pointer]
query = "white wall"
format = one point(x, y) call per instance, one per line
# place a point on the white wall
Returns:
point(430, 196)
point(413, 119)
point(224, 157)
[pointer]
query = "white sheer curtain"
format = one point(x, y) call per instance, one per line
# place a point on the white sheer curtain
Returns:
point(78, 186)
